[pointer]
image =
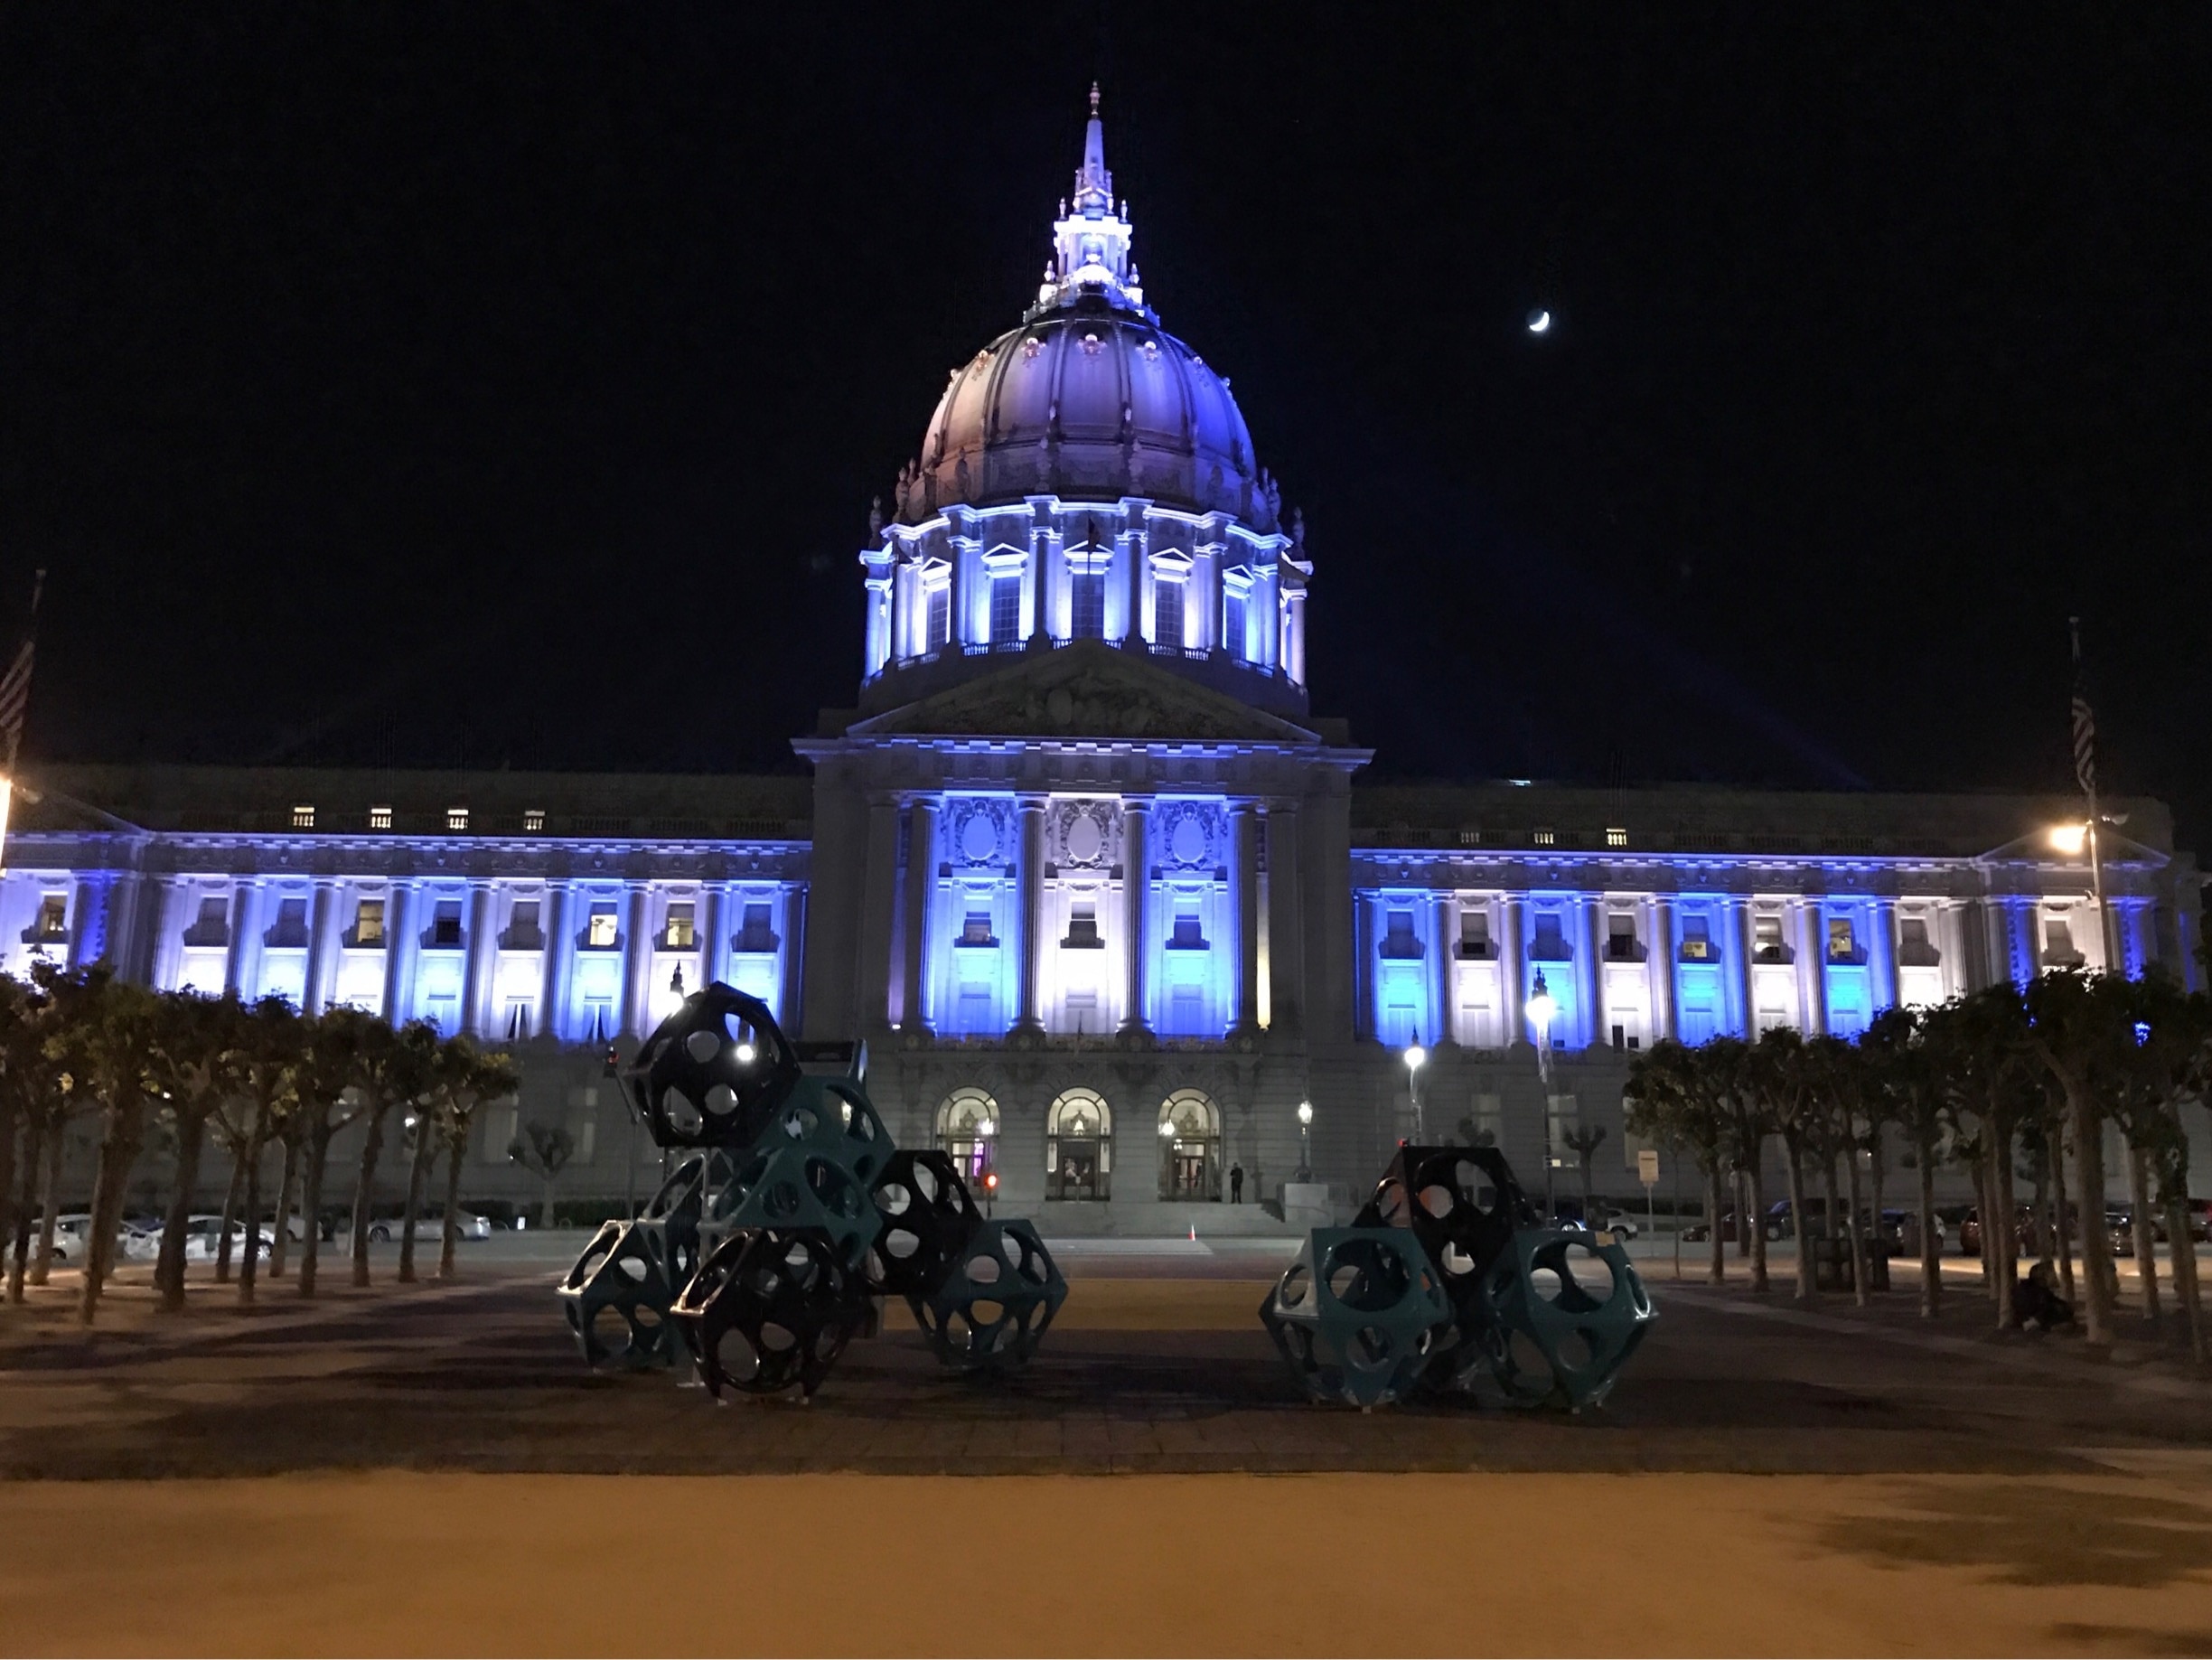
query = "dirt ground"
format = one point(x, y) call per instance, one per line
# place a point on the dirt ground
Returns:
point(393, 1562)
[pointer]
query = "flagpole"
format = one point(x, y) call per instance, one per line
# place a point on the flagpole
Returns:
point(2084, 770)
point(16, 702)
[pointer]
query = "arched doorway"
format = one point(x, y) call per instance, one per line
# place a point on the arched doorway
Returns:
point(1190, 1147)
point(1079, 1147)
point(968, 1129)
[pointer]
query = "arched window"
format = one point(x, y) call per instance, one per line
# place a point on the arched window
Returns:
point(968, 1129)
point(1079, 1146)
point(1190, 1147)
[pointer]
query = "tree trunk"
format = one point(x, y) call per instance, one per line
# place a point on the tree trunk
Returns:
point(9, 1116)
point(1832, 1204)
point(1931, 1248)
point(418, 1175)
point(2062, 1230)
point(311, 1204)
point(256, 1145)
point(449, 1234)
point(364, 1188)
point(2097, 1247)
point(1979, 1172)
point(2146, 1263)
point(118, 1152)
point(1755, 1224)
point(1718, 1272)
point(18, 1244)
point(1794, 1158)
point(1860, 1289)
point(169, 1267)
point(2007, 1244)
point(230, 1216)
point(49, 1190)
point(1742, 1185)
point(545, 1206)
point(281, 1249)
point(2185, 1277)
point(2046, 1246)
point(1878, 1173)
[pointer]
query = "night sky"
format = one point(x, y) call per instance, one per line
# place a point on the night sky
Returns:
point(507, 384)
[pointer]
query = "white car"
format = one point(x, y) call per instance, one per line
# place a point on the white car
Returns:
point(72, 1235)
point(430, 1223)
point(202, 1232)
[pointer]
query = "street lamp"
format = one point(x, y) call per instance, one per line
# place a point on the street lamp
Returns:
point(2074, 839)
point(1416, 1057)
point(1305, 1140)
point(1541, 1010)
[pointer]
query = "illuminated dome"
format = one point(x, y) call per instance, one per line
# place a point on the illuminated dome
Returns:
point(1090, 395)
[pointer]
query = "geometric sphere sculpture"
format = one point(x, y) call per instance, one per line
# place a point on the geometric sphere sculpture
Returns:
point(770, 1308)
point(995, 1301)
point(928, 1221)
point(787, 1186)
point(1355, 1314)
point(1550, 1341)
point(618, 1294)
point(712, 1071)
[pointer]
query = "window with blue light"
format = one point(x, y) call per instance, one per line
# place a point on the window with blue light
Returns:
point(940, 617)
point(1398, 940)
point(1550, 945)
point(976, 929)
point(1168, 613)
point(757, 932)
point(1006, 609)
point(1186, 934)
point(1087, 604)
point(1233, 623)
point(1843, 940)
point(1697, 944)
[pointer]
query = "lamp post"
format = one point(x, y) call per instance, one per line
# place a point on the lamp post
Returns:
point(1541, 1010)
point(985, 1131)
point(1305, 1140)
point(1416, 1057)
point(2073, 840)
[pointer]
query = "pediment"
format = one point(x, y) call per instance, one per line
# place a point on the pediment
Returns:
point(1086, 689)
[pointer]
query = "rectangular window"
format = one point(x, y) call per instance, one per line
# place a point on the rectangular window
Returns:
point(600, 931)
point(380, 818)
point(1233, 624)
point(1083, 932)
point(1915, 950)
point(679, 935)
point(303, 816)
point(1767, 939)
point(1087, 604)
point(290, 929)
point(53, 916)
point(446, 922)
point(212, 926)
point(1185, 935)
point(1549, 944)
point(2058, 944)
point(976, 929)
point(1620, 937)
point(1697, 943)
point(1005, 610)
point(1544, 836)
point(1167, 613)
point(1398, 936)
point(369, 923)
point(756, 935)
point(522, 926)
point(938, 624)
point(533, 820)
point(1842, 946)
point(456, 818)
point(1475, 933)
point(1615, 837)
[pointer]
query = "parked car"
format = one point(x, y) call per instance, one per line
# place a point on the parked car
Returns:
point(203, 1235)
point(72, 1237)
point(429, 1223)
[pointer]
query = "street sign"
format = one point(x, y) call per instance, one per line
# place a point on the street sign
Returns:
point(1648, 1166)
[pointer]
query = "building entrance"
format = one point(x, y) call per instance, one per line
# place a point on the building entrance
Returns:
point(1079, 1147)
point(1190, 1147)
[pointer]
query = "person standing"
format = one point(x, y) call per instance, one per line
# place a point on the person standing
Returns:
point(1236, 1184)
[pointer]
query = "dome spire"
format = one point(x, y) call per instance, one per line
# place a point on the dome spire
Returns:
point(1091, 239)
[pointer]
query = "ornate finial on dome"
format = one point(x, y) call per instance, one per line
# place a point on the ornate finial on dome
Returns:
point(1091, 239)
point(876, 520)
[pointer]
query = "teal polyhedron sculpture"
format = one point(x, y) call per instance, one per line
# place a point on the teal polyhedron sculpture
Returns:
point(992, 1310)
point(618, 1295)
point(1355, 1314)
point(793, 1186)
point(1573, 1343)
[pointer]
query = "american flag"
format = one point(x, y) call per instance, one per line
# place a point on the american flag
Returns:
point(2084, 724)
point(15, 688)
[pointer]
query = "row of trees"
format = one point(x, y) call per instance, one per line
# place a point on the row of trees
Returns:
point(2029, 1074)
point(251, 1077)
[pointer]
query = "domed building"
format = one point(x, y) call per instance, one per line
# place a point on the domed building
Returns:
point(1081, 867)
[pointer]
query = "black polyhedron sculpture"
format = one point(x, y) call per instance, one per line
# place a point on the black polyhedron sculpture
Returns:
point(712, 1072)
point(618, 1295)
point(928, 1219)
point(770, 1308)
point(990, 1311)
point(1355, 1313)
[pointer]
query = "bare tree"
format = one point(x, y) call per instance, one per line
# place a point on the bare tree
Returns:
point(545, 1149)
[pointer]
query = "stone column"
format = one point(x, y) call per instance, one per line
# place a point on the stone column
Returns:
point(1882, 954)
point(920, 880)
point(241, 969)
point(790, 929)
point(1440, 969)
point(1029, 906)
point(1811, 968)
point(1659, 968)
point(1365, 1022)
point(1245, 836)
point(713, 931)
point(559, 951)
point(1593, 976)
point(399, 941)
point(1286, 928)
point(1136, 894)
point(878, 898)
point(1512, 973)
point(637, 954)
point(476, 966)
point(1746, 938)
point(315, 989)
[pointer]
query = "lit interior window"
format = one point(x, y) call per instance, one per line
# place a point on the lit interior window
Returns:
point(601, 930)
point(679, 935)
point(303, 816)
point(533, 819)
point(369, 923)
point(380, 818)
point(1615, 837)
point(457, 818)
